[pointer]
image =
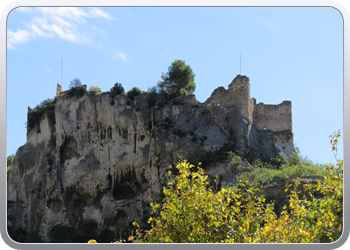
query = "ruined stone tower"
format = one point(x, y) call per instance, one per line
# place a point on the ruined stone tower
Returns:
point(261, 130)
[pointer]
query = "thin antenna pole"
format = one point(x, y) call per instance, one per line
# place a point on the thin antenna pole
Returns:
point(62, 71)
point(240, 65)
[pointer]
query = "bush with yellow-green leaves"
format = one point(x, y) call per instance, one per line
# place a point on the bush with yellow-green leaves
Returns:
point(94, 90)
point(192, 213)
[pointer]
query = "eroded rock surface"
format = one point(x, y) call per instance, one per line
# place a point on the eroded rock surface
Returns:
point(111, 154)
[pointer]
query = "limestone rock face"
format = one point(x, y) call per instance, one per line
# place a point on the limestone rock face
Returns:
point(105, 158)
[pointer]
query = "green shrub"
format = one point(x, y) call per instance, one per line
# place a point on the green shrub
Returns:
point(258, 176)
point(294, 159)
point(117, 89)
point(211, 157)
point(79, 91)
point(157, 96)
point(133, 92)
point(280, 160)
point(94, 90)
point(35, 114)
point(151, 96)
point(236, 161)
point(75, 83)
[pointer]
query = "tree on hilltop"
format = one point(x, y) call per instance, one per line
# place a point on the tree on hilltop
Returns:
point(117, 88)
point(75, 83)
point(179, 79)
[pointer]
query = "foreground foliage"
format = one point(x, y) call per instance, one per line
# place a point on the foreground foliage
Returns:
point(191, 212)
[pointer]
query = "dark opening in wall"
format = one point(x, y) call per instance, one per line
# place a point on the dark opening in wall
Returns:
point(122, 191)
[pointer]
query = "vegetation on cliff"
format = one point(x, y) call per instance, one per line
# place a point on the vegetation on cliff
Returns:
point(192, 212)
point(179, 79)
point(133, 92)
point(277, 169)
point(75, 83)
point(35, 114)
point(117, 89)
point(94, 90)
point(10, 159)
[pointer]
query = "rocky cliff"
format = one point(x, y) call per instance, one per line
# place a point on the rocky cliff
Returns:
point(104, 158)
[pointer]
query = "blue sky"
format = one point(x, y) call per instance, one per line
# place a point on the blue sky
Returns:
point(289, 53)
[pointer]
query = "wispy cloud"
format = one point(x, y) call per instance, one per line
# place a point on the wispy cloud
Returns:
point(61, 30)
point(49, 22)
point(96, 12)
point(120, 56)
point(17, 37)
point(38, 31)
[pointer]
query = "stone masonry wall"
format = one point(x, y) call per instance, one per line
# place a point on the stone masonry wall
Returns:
point(273, 117)
point(240, 94)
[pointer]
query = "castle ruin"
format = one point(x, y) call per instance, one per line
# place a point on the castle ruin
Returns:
point(103, 158)
point(264, 124)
